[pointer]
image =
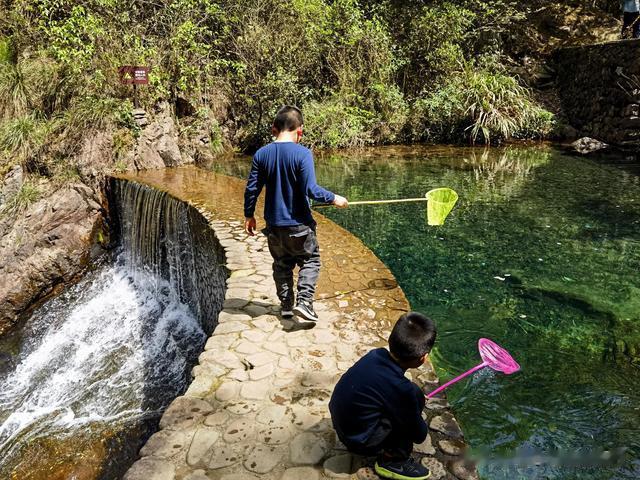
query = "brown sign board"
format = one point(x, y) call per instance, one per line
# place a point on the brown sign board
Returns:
point(133, 75)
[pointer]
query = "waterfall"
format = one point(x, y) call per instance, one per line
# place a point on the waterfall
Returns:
point(107, 356)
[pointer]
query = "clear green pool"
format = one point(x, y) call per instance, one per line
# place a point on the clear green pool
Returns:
point(541, 254)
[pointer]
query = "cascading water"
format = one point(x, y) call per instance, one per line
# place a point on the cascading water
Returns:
point(95, 367)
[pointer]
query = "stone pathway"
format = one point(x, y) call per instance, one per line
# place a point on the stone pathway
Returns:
point(257, 405)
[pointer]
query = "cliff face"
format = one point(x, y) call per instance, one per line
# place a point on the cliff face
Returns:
point(46, 245)
point(51, 241)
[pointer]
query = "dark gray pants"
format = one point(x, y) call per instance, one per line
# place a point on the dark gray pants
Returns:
point(291, 246)
point(385, 440)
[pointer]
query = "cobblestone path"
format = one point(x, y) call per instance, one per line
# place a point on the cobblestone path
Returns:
point(257, 405)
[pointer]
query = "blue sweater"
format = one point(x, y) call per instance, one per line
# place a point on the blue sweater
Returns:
point(373, 388)
point(287, 170)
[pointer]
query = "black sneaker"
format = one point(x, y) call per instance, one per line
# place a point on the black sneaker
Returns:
point(305, 310)
point(402, 470)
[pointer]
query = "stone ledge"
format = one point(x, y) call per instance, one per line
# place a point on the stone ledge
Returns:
point(257, 406)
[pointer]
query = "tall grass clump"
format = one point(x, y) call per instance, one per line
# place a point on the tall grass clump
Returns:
point(483, 107)
point(28, 194)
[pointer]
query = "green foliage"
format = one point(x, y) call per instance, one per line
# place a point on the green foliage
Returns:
point(29, 193)
point(435, 43)
point(363, 71)
point(22, 139)
point(481, 106)
point(334, 124)
point(73, 37)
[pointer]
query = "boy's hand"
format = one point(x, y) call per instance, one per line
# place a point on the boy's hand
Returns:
point(340, 202)
point(250, 226)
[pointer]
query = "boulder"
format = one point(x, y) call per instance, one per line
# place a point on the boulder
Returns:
point(158, 143)
point(586, 145)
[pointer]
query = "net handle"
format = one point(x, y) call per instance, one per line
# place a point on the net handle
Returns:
point(480, 366)
point(376, 202)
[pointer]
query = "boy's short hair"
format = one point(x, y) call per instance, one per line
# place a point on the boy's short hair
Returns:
point(412, 336)
point(288, 118)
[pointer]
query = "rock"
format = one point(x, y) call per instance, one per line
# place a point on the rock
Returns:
point(261, 372)
point(239, 430)
point(11, 184)
point(140, 117)
point(586, 145)
point(464, 470)
point(255, 310)
point(222, 457)
point(228, 391)
point(446, 425)
point(339, 466)
point(275, 435)
point(300, 473)
point(257, 390)
point(426, 447)
point(46, 246)
point(263, 458)
point(217, 419)
point(158, 143)
point(435, 467)
point(185, 412)
point(165, 443)
point(271, 415)
point(367, 473)
point(151, 469)
point(452, 447)
point(239, 476)
point(261, 358)
point(197, 475)
point(95, 159)
point(308, 449)
point(202, 442)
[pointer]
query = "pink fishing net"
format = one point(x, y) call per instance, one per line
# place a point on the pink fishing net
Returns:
point(497, 357)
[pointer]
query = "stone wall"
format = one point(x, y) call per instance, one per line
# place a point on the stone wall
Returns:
point(599, 89)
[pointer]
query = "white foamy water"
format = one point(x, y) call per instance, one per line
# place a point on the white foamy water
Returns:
point(114, 348)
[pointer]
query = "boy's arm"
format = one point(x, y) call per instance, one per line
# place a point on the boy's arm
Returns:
point(309, 185)
point(255, 182)
point(415, 404)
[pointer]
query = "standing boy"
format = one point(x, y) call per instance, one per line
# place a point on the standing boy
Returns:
point(286, 169)
point(630, 17)
point(376, 410)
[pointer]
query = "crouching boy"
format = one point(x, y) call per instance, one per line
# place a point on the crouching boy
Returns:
point(376, 410)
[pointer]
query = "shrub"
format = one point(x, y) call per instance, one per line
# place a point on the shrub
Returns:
point(435, 42)
point(482, 107)
point(335, 124)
